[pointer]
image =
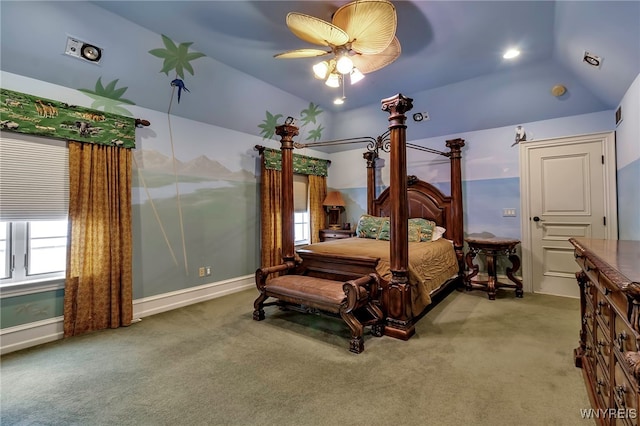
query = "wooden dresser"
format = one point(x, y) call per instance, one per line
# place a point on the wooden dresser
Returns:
point(609, 348)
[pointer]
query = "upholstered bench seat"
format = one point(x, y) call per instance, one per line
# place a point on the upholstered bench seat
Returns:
point(324, 295)
point(319, 293)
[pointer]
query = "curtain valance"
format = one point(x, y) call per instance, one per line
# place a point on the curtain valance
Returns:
point(34, 115)
point(301, 163)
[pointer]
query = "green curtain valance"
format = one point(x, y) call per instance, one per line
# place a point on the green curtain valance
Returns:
point(301, 164)
point(34, 115)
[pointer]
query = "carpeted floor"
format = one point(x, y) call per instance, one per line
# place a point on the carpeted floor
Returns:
point(471, 362)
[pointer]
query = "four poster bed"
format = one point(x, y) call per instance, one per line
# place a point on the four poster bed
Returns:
point(389, 273)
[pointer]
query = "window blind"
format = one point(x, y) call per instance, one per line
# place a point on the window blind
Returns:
point(34, 178)
point(300, 198)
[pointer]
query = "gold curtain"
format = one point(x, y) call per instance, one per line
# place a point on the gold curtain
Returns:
point(271, 217)
point(98, 290)
point(317, 194)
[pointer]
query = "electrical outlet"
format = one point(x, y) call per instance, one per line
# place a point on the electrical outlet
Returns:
point(201, 271)
point(208, 271)
point(508, 212)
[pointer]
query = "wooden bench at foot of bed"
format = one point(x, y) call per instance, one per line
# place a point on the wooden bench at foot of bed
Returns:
point(324, 295)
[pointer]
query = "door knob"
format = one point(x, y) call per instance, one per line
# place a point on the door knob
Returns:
point(537, 219)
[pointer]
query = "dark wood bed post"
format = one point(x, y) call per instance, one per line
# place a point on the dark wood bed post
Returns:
point(455, 145)
point(371, 157)
point(287, 132)
point(399, 317)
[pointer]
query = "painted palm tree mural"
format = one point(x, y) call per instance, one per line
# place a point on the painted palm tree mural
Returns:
point(109, 98)
point(176, 59)
point(307, 116)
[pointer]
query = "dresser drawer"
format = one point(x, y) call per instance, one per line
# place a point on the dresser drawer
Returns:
point(603, 347)
point(602, 309)
point(625, 393)
point(331, 234)
point(624, 338)
point(602, 386)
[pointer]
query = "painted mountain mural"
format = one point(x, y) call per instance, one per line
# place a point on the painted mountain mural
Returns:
point(202, 167)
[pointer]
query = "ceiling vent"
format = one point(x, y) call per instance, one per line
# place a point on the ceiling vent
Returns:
point(83, 50)
point(591, 59)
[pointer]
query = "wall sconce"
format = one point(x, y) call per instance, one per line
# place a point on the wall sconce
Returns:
point(334, 203)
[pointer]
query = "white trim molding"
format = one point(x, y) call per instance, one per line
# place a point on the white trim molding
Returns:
point(177, 299)
point(607, 139)
point(31, 334)
point(36, 333)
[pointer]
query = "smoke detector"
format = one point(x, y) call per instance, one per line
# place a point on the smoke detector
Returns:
point(83, 50)
point(591, 59)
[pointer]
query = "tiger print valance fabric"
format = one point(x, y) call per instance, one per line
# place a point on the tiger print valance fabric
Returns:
point(302, 164)
point(34, 115)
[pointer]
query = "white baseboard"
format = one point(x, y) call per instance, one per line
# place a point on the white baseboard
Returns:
point(177, 299)
point(39, 332)
point(31, 334)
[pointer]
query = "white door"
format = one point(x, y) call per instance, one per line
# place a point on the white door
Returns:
point(570, 192)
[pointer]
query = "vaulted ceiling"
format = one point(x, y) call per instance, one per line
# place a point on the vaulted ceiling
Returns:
point(451, 61)
point(443, 42)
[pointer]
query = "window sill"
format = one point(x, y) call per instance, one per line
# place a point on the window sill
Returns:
point(31, 287)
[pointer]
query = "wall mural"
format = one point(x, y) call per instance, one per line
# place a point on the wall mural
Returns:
point(307, 116)
point(108, 98)
point(175, 58)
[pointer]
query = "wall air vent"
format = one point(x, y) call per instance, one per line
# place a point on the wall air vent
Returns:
point(83, 50)
point(591, 59)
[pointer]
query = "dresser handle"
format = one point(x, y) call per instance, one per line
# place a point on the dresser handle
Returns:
point(599, 383)
point(620, 390)
point(620, 339)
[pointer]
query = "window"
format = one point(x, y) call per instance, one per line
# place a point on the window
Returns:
point(33, 250)
point(301, 209)
point(34, 193)
point(301, 228)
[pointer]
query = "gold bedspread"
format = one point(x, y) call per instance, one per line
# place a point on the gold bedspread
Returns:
point(430, 263)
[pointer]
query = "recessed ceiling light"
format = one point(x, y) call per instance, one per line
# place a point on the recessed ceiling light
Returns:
point(511, 53)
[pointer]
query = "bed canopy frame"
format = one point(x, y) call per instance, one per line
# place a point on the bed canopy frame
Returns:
point(406, 197)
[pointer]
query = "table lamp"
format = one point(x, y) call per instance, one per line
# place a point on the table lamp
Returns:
point(334, 205)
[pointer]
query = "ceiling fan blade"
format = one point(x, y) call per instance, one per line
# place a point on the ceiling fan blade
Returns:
point(371, 24)
point(371, 63)
point(315, 30)
point(301, 53)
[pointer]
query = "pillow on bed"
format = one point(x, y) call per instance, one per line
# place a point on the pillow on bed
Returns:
point(438, 233)
point(385, 230)
point(370, 226)
point(421, 229)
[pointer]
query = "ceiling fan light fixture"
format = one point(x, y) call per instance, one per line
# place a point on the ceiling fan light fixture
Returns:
point(344, 65)
point(356, 75)
point(511, 53)
point(321, 70)
point(333, 80)
point(339, 101)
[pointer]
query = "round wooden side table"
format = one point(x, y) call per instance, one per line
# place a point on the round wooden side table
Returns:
point(492, 248)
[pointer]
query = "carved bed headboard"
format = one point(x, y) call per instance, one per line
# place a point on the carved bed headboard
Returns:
point(424, 200)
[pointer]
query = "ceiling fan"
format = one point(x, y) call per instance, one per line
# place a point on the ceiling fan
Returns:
point(361, 38)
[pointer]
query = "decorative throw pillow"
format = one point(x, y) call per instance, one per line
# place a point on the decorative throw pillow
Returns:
point(385, 230)
point(369, 226)
point(421, 229)
point(438, 233)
